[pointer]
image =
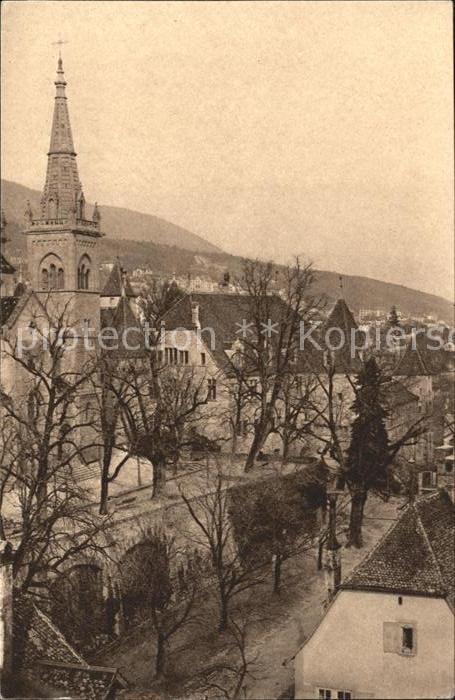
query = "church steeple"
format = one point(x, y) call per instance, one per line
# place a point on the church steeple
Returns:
point(62, 243)
point(63, 190)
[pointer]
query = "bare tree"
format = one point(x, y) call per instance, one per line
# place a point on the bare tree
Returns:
point(47, 422)
point(228, 678)
point(276, 518)
point(209, 511)
point(149, 580)
point(158, 407)
point(268, 352)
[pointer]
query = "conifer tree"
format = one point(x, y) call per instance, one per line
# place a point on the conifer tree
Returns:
point(369, 450)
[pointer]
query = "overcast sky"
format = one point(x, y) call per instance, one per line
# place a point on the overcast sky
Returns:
point(269, 128)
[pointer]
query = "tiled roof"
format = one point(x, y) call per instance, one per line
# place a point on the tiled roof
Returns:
point(42, 653)
point(416, 556)
point(224, 313)
point(115, 283)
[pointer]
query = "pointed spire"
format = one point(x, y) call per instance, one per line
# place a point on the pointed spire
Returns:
point(63, 187)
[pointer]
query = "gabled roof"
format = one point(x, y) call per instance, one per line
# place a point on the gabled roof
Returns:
point(416, 556)
point(115, 283)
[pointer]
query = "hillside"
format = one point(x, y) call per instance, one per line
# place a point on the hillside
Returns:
point(118, 223)
point(360, 292)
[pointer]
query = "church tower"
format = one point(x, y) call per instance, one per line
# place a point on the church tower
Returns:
point(62, 241)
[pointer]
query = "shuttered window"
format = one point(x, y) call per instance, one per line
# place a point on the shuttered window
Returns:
point(400, 638)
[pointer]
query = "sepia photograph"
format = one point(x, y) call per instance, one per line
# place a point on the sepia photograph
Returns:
point(227, 350)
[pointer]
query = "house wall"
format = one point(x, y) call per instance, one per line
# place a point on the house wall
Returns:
point(346, 652)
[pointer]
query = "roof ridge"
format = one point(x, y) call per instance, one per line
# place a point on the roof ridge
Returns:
point(57, 631)
point(430, 547)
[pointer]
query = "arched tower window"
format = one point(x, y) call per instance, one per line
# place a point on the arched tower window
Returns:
point(52, 273)
point(44, 278)
point(83, 273)
point(52, 276)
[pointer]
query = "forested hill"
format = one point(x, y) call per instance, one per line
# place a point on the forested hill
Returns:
point(194, 256)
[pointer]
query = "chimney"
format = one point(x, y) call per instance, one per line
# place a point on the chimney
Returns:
point(6, 611)
point(195, 321)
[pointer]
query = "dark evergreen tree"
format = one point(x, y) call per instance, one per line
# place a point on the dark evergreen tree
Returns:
point(369, 451)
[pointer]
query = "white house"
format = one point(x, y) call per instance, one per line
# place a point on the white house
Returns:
point(389, 632)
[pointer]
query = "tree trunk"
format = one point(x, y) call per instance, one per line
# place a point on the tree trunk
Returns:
point(160, 655)
point(223, 621)
point(159, 476)
point(276, 564)
point(104, 495)
point(260, 436)
point(356, 519)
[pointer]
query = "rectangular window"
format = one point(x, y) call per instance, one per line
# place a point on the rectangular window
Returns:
point(407, 640)
point(331, 693)
point(427, 480)
point(202, 358)
point(399, 638)
point(211, 389)
point(183, 357)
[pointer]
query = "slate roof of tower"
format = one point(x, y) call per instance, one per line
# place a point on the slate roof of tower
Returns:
point(416, 556)
point(423, 357)
point(341, 317)
point(122, 319)
point(115, 282)
point(347, 357)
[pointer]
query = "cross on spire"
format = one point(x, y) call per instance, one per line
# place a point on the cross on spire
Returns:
point(59, 43)
point(341, 284)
